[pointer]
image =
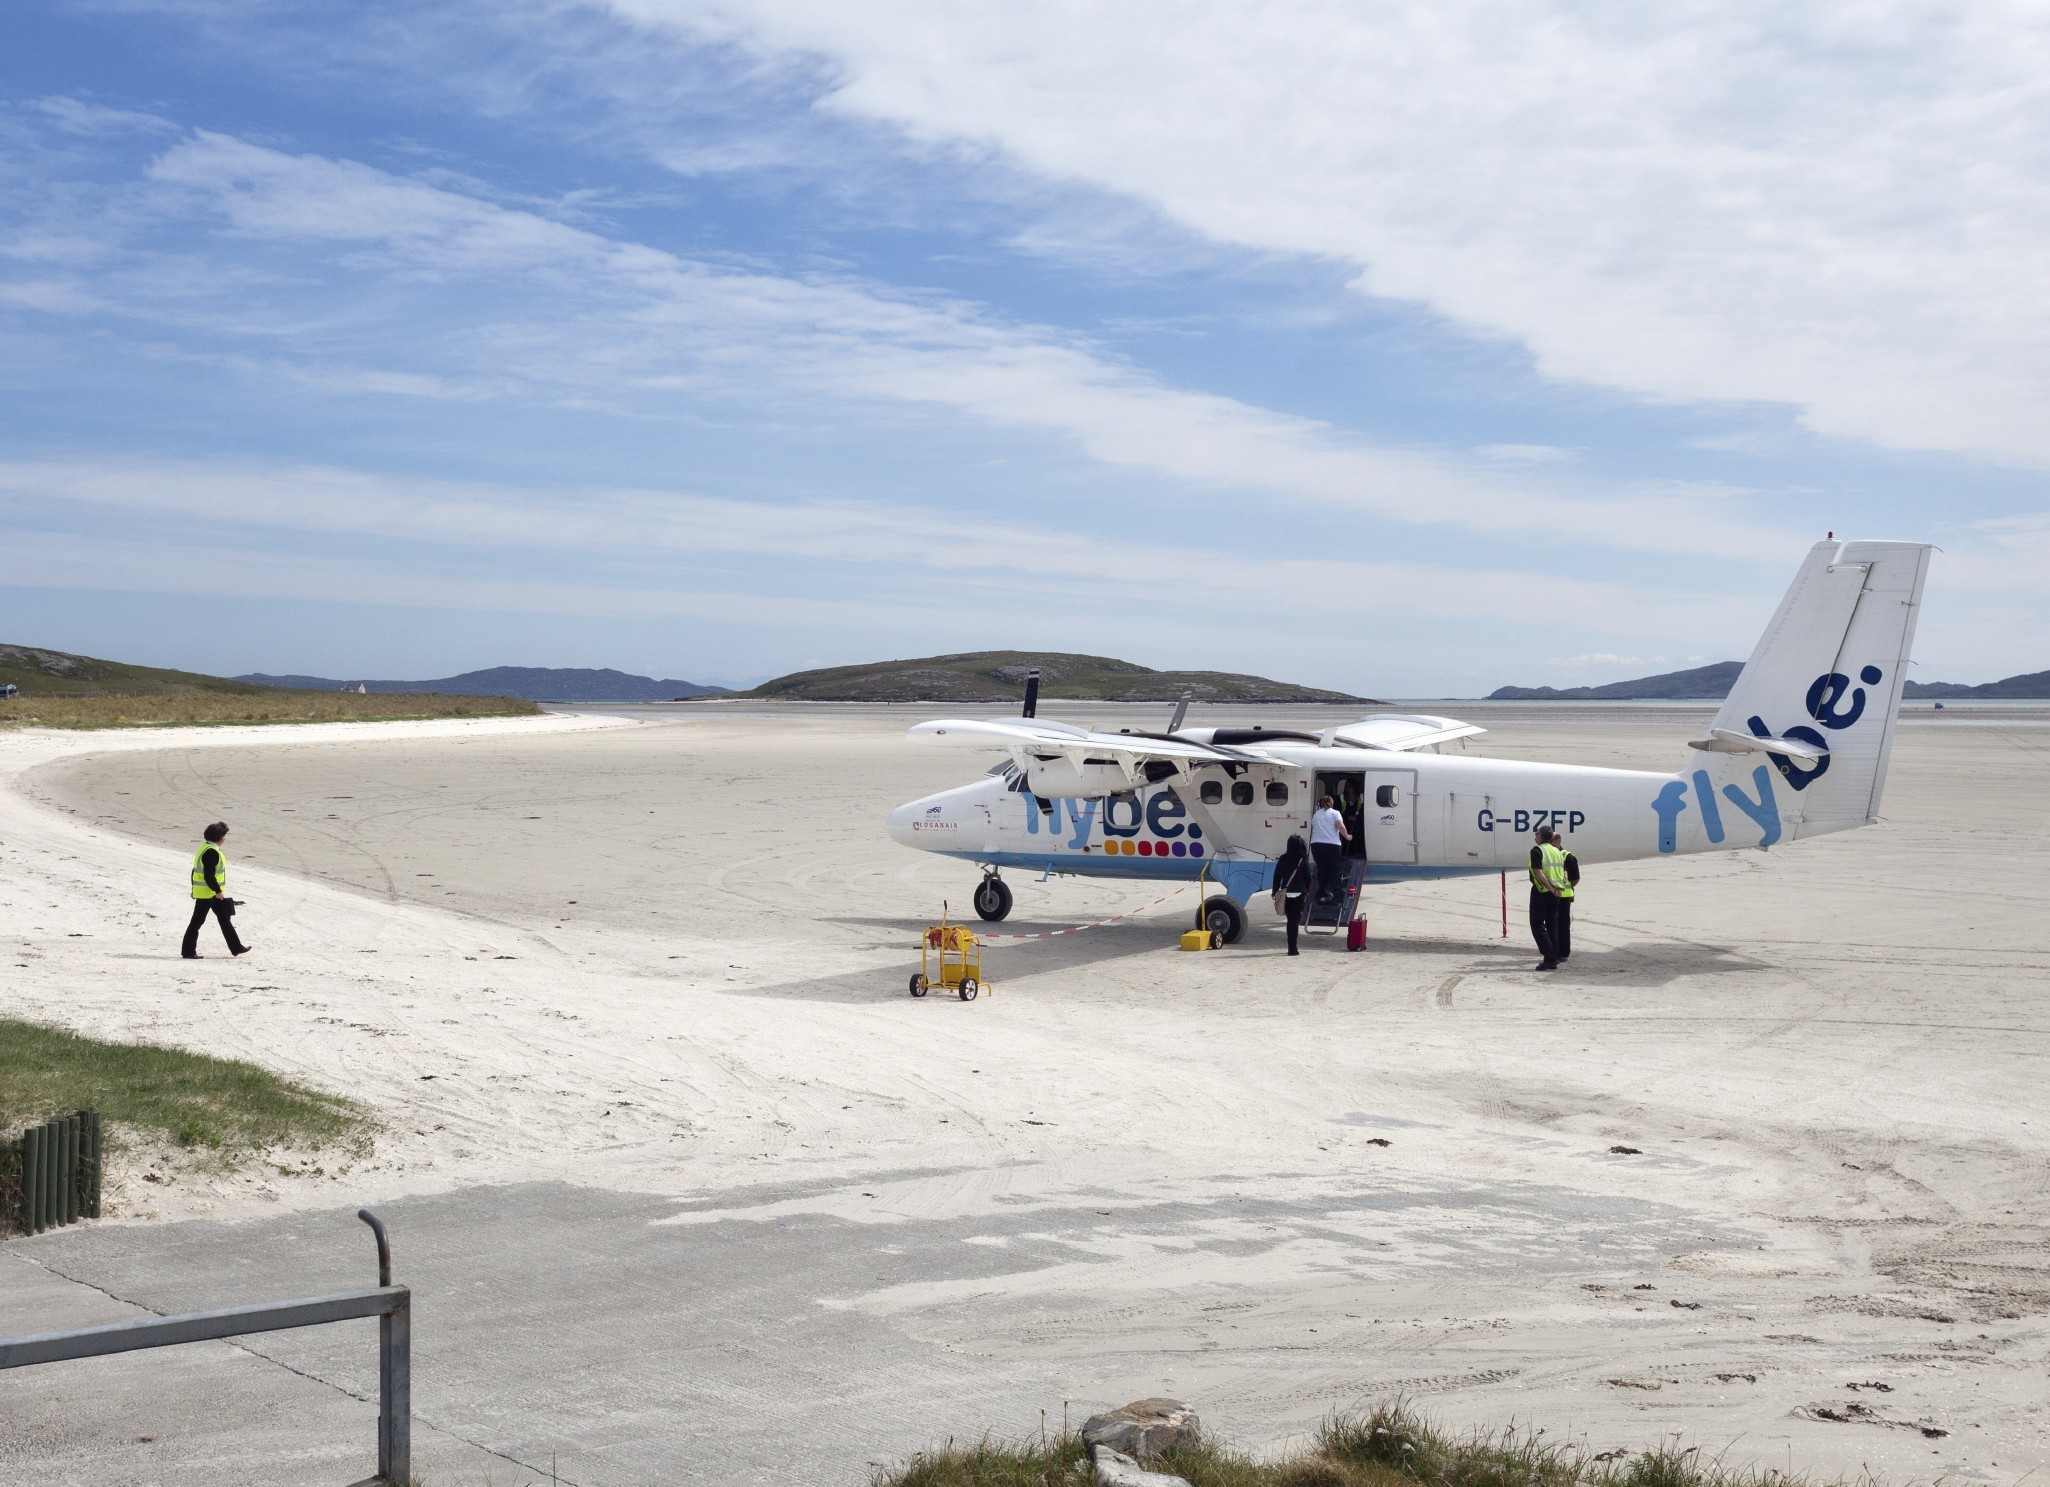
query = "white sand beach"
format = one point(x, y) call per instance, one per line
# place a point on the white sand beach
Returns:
point(665, 957)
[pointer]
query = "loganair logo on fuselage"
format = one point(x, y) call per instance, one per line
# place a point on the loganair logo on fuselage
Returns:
point(1155, 827)
point(1826, 702)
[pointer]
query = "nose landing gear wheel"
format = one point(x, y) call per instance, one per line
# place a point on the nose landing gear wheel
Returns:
point(918, 986)
point(1223, 918)
point(993, 898)
point(969, 990)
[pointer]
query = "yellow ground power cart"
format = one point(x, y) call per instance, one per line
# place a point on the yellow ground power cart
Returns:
point(950, 959)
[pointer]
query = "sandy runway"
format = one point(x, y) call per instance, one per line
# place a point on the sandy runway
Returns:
point(646, 979)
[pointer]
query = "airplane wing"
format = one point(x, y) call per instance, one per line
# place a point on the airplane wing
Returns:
point(1402, 731)
point(1031, 736)
point(1060, 759)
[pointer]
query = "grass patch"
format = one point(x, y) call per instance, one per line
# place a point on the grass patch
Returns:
point(258, 705)
point(218, 1106)
point(1389, 1445)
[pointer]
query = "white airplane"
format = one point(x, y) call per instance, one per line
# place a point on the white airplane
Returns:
point(1798, 749)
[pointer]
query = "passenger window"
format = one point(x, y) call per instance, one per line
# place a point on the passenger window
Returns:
point(1212, 792)
point(1277, 793)
point(1241, 792)
point(1385, 795)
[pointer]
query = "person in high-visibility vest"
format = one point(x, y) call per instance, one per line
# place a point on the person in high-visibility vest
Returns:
point(1547, 878)
point(210, 893)
point(1562, 935)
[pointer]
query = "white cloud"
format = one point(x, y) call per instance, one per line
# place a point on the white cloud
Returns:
point(76, 116)
point(1840, 208)
point(655, 543)
point(579, 316)
point(1525, 454)
point(1607, 658)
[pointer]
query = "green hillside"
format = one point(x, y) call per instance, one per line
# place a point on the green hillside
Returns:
point(2031, 686)
point(999, 676)
point(41, 673)
point(1710, 683)
point(1702, 682)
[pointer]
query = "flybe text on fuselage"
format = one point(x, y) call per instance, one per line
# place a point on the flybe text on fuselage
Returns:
point(1155, 823)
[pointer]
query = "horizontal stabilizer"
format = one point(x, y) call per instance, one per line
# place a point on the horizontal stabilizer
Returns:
point(1726, 741)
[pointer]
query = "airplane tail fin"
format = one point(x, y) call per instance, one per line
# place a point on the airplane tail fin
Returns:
point(1825, 682)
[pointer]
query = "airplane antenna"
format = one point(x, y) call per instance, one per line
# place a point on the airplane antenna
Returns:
point(1031, 693)
point(1181, 711)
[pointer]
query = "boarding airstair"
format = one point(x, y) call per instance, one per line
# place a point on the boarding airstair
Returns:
point(1327, 916)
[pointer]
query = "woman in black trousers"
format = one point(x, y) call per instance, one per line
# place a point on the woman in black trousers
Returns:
point(1291, 882)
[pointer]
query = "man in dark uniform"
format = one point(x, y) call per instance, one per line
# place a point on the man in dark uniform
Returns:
point(1562, 930)
point(1352, 806)
point(1547, 876)
point(210, 894)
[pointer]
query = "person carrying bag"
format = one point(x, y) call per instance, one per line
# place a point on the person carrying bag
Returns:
point(1291, 882)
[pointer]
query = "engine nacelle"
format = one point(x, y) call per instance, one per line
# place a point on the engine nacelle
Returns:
point(1057, 779)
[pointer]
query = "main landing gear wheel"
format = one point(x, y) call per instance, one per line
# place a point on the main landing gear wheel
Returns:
point(918, 986)
point(1223, 918)
point(969, 989)
point(993, 898)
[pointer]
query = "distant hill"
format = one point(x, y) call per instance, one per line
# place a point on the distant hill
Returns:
point(2032, 686)
point(535, 683)
point(1708, 683)
point(999, 676)
point(41, 673)
point(1713, 683)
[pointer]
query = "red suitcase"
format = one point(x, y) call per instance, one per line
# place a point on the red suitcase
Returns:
point(1356, 935)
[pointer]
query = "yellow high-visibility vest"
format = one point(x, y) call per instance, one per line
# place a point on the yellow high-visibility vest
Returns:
point(1555, 863)
point(199, 888)
point(1548, 874)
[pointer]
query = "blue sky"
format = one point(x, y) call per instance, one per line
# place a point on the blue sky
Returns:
point(1412, 351)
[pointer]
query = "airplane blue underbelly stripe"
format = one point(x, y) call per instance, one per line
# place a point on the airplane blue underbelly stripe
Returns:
point(1182, 869)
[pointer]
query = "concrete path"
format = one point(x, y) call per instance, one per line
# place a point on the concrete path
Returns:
point(593, 1337)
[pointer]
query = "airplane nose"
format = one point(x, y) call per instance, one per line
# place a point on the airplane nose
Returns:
point(900, 823)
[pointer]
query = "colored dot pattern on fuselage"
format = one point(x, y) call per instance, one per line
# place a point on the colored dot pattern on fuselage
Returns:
point(1126, 847)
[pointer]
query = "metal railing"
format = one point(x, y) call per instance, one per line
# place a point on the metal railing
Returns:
point(391, 1305)
point(55, 1169)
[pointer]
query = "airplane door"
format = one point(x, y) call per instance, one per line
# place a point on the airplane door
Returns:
point(1390, 815)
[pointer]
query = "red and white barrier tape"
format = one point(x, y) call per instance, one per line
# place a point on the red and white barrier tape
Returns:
point(1075, 929)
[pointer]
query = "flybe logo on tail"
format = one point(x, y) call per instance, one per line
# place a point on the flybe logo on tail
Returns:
point(1833, 701)
point(1826, 697)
